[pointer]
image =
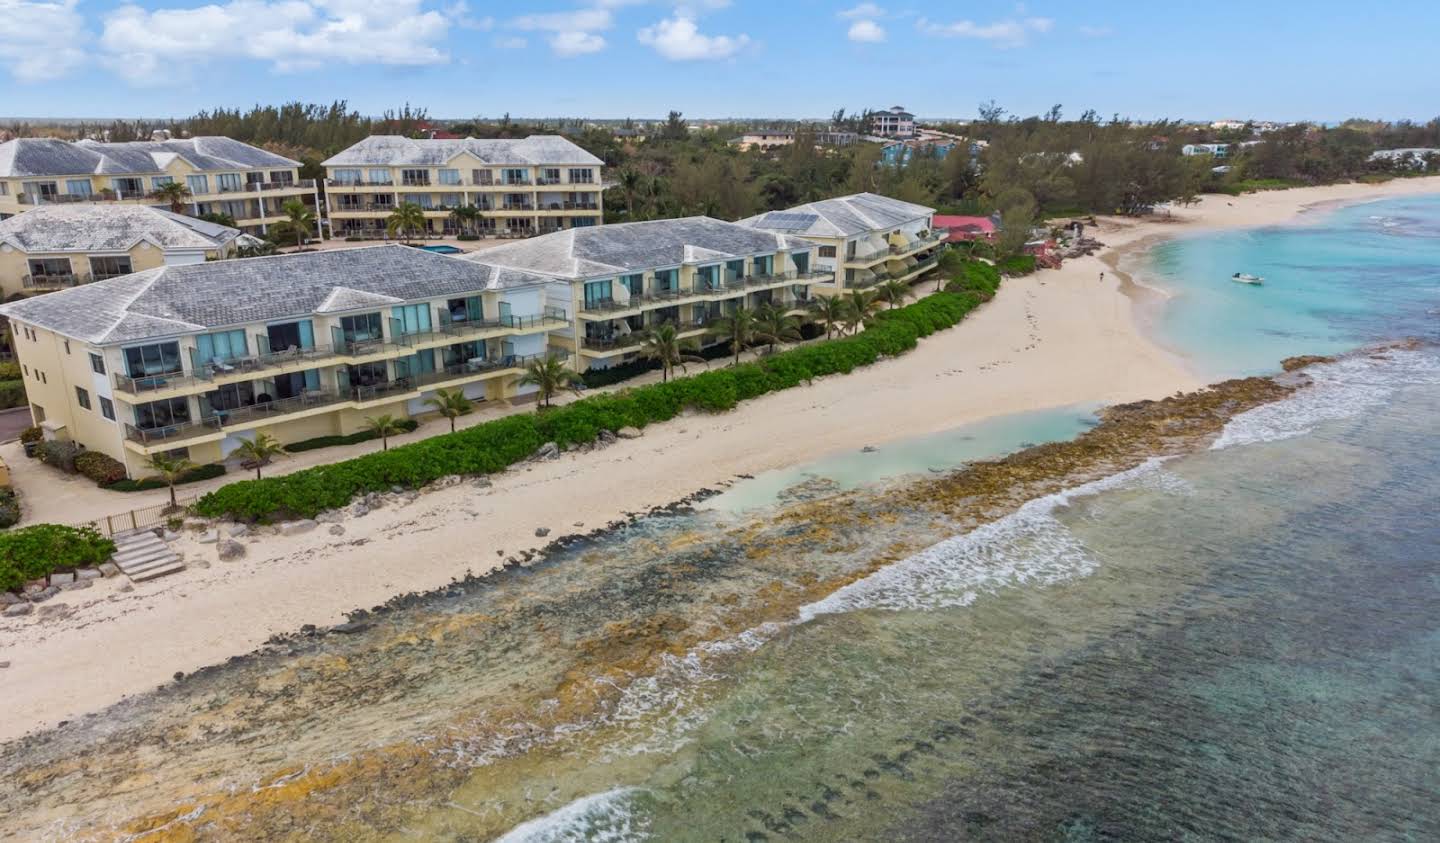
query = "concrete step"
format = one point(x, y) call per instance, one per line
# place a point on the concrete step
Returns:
point(152, 573)
point(144, 556)
point(151, 565)
point(129, 561)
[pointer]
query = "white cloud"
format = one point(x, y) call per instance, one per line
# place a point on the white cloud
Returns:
point(459, 13)
point(863, 11)
point(153, 45)
point(679, 39)
point(573, 32)
point(866, 32)
point(513, 42)
point(41, 40)
point(576, 43)
point(1011, 32)
point(1096, 31)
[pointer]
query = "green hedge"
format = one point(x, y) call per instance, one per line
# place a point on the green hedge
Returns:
point(1016, 265)
point(33, 552)
point(12, 394)
point(493, 446)
point(407, 425)
point(9, 508)
point(975, 276)
point(104, 469)
point(144, 484)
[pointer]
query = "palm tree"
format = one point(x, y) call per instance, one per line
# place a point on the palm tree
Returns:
point(173, 192)
point(385, 427)
point(464, 218)
point(862, 304)
point(299, 221)
point(405, 220)
point(260, 451)
point(833, 311)
point(451, 405)
point(170, 468)
point(551, 375)
point(738, 328)
point(774, 325)
point(894, 292)
point(630, 182)
point(663, 343)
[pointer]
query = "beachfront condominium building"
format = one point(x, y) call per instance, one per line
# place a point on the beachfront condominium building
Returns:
point(57, 246)
point(863, 239)
point(220, 176)
point(614, 282)
point(895, 122)
point(195, 359)
point(518, 187)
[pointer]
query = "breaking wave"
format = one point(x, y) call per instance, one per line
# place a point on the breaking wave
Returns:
point(599, 818)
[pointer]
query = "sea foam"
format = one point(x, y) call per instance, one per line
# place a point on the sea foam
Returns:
point(1341, 390)
point(601, 817)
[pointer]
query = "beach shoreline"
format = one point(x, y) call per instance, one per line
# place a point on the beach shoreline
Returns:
point(1057, 338)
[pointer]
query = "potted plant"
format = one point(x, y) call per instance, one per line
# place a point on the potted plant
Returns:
point(30, 438)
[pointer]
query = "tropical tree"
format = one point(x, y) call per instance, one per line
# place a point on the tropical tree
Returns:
point(173, 192)
point(260, 451)
point(630, 183)
point(451, 405)
point(774, 325)
point(465, 217)
point(551, 375)
point(663, 343)
point(894, 292)
point(833, 311)
point(219, 219)
point(299, 221)
point(738, 329)
point(170, 468)
point(385, 427)
point(862, 304)
point(406, 221)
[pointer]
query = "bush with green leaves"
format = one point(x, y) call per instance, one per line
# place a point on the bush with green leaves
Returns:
point(12, 394)
point(104, 469)
point(1016, 265)
point(145, 484)
point(32, 552)
point(408, 425)
point(495, 445)
point(9, 370)
point(32, 434)
point(9, 507)
point(60, 453)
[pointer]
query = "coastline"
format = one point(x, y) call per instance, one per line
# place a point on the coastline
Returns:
point(1053, 339)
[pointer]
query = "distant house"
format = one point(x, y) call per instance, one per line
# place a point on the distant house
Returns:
point(1218, 150)
point(900, 152)
point(894, 123)
point(763, 140)
point(963, 229)
point(1412, 158)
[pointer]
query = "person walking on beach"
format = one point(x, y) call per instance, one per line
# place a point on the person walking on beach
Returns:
point(1102, 276)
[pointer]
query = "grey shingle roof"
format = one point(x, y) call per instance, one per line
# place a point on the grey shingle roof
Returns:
point(398, 151)
point(55, 157)
point(183, 299)
point(844, 216)
point(96, 228)
point(632, 247)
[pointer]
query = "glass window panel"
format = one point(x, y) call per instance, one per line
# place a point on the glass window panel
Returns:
point(198, 184)
point(77, 187)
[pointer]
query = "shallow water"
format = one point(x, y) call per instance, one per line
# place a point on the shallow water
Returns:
point(1239, 643)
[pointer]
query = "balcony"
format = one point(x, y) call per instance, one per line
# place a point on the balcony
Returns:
point(241, 368)
point(55, 282)
point(615, 343)
point(415, 182)
point(263, 411)
point(580, 206)
point(610, 305)
point(548, 180)
point(66, 198)
point(172, 434)
point(343, 183)
point(262, 186)
point(525, 182)
point(141, 384)
point(868, 255)
point(474, 368)
point(918, 243)
point(518, 206)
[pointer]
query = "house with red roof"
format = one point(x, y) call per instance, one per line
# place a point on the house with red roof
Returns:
point(965, 229)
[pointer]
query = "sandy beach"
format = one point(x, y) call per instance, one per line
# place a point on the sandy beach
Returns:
point(1054, 339)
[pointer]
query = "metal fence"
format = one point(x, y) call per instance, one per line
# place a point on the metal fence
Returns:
point(140, 519)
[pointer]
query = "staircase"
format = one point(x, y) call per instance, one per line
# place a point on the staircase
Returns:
point(144, 556)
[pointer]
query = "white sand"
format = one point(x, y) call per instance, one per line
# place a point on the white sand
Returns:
point(1054, 339)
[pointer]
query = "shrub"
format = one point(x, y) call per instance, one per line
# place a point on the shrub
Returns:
point(105, 470)
point(32, 434)
point(493, 446)
point(9, 507)
point(144, 484)
point(407, 425)
point(9, 370)
point(32, 552)
point(467, 237)
point(1016, 265)
point(12, 394)
point(60, 453)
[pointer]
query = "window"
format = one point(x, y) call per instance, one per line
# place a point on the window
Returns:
point(414, 177)
point(283, 336)
point(82, 397)
point(77, 187)
point(366, 326)
point(516, 176)
point(734, 270)
point(4, 188)
point(43, 379)
point(347, 176)
point(469, 309)
point(598, 292)
point(128, 187)
point(254, 178)
point(97, 364)
point(49, 268)
point(103, 268)
point(27, 370)
point(706, 277)
point(282, 177)
point(665, 279)
point(160, 414)
point(801, 261)
point(67, 346)
point(412, 318)
point(481, 177)
point(378, 176)
point(198, 184)
point(157, 182)
point(550, 175)
point(634, 283)
point(221, 346)
point(764, 265)
point(229, 182)
point(827, 251)
point(582, 176)
point(158, 359)
point(107, 408)
point(449, 176)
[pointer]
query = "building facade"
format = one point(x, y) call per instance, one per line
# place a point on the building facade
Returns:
point(195, 359)
point(221, 176)
point(894, 122)
point(518, 187)
point(57, 246)
point(863, 239)
point(616, 281)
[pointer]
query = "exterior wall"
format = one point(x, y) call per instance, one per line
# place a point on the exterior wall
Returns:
point(51, 374)
point(15, 264)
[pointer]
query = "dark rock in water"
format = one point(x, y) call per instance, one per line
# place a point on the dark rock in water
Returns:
point(179, 674)
point(351, 627)
point(1291, 364)
point(869, 449)
point(542, 532)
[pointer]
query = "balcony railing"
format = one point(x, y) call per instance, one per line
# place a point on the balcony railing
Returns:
point(525, 182)
point(358, 183)
point(612, 343)
point(172, 432)
point(475, 366)
point(581, 206)
point(608, 305)
point(867, 255)
point(154, 383)
point(365, 206)
point(54, 282)
point(262, 410)
point(548, 180)
point(518, 206)
point(64, 198)
point(217, 367)
point(917, 243)
point(414, 182)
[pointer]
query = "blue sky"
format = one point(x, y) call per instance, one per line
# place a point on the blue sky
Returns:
point(1320, 60)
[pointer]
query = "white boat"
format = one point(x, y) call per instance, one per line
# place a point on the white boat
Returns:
point(1247, 278)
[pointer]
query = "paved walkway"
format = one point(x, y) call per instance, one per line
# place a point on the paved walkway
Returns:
point(12, 422)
